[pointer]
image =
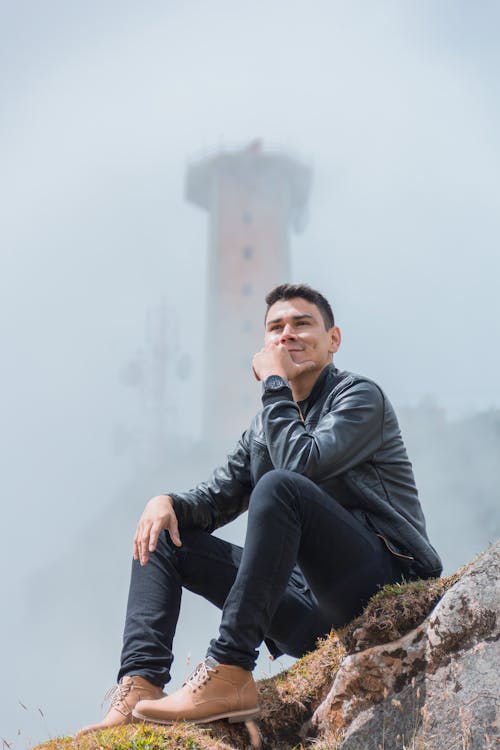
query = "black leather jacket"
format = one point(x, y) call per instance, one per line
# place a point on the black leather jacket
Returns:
point(348, 442)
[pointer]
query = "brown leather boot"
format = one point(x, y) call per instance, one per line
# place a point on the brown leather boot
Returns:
point(213, 691)
point(124, 696)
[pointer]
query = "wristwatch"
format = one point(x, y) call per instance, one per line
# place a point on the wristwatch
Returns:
point(274, 383)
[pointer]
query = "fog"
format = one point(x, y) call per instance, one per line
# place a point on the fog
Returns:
point(395, 105)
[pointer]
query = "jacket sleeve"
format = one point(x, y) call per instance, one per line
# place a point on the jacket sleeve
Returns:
point(222, 498)
point(348, 434)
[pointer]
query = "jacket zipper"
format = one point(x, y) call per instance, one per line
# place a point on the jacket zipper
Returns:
point(393, 551)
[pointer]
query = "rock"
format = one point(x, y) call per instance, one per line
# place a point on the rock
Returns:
point(436, 687)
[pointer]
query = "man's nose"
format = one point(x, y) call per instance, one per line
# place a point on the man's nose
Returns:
point(287, 332)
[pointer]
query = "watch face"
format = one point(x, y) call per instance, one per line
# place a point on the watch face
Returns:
point(275, 382)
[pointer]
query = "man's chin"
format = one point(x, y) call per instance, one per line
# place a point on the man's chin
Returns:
point(301, 360)
point(297, 357)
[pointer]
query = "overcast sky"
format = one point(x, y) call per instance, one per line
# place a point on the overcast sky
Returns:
point(102, 104)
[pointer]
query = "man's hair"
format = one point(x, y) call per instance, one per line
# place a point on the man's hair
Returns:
point(291, 291)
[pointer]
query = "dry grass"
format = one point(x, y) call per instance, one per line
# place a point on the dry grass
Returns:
point(142, 737)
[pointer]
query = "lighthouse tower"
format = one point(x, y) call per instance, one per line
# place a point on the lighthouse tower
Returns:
point(252, 197)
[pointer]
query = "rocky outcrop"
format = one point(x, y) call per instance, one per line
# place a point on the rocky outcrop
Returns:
point(436, 687)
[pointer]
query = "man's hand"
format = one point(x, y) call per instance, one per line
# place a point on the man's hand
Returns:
point(275, 359)
point(158, 514)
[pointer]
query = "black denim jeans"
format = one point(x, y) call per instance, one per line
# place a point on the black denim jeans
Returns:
point(307, 566)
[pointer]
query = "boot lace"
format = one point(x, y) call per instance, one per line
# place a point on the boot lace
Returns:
point(116, 697)
point(200, 676)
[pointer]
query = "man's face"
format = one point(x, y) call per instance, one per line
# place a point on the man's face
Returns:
point(299, 326)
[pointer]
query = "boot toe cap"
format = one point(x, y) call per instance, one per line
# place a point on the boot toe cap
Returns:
point(150, 710)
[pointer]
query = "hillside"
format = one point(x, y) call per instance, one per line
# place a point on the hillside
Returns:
point(416, 671)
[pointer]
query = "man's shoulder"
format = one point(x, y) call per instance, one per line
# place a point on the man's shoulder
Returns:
point(342, 381)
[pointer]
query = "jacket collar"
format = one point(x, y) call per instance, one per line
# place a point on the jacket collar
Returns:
point(322, 383)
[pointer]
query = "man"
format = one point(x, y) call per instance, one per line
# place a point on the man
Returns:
point(333, 514)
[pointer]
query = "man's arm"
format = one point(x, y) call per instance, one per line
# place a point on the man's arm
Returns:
point(346, 436)
point(209, 505)
point(222, 498)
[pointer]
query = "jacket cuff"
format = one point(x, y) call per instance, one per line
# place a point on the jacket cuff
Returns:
point(272, 397)
point(178, 507)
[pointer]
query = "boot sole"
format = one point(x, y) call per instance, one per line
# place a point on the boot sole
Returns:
point(233, 717)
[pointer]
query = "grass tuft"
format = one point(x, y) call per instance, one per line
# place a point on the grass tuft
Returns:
point(141, 737)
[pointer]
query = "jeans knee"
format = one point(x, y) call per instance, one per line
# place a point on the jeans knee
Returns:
point(277, 483)
point(190, 538)
point(277, 477)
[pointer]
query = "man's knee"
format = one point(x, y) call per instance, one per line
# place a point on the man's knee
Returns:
point(277, 478)
point(190, 538)
point(277, 484)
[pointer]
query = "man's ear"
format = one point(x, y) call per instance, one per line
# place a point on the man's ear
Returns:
point(335, 339)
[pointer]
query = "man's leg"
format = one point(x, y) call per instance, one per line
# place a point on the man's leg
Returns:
point(207, 566)
point(204, 564)
point(291, 520)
